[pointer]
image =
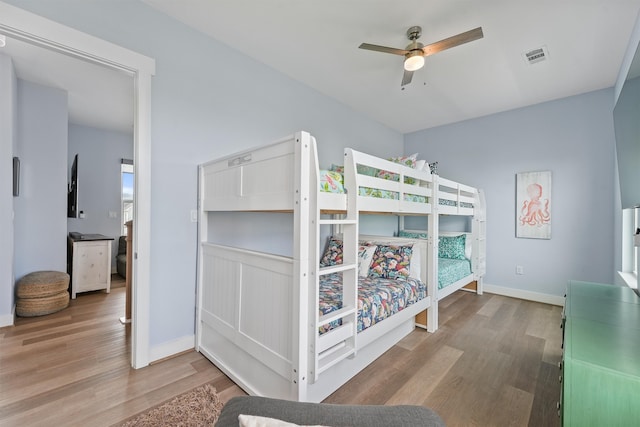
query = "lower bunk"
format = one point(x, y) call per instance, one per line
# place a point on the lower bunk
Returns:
point(253, 327)
point(458, 268)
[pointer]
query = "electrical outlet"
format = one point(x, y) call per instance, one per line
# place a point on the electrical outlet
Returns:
point(194, 215)
point(519, 269)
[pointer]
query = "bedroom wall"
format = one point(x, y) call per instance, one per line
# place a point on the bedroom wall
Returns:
point(208, 100)
point(41, 210)
point(8, 149)
point(574, 139)
point(100, 153)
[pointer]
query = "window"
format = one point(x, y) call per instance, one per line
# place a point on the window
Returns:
point(127, 194)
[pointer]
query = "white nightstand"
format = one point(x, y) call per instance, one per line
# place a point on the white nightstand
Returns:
point(90, 263)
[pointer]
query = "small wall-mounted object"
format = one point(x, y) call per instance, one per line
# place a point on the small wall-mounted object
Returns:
point(636, 240)
point(16, 176)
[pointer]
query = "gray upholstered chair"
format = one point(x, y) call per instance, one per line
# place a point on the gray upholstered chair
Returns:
point(328, 414)
point(121, 257)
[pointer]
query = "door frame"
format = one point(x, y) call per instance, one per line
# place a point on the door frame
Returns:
point(34, 29)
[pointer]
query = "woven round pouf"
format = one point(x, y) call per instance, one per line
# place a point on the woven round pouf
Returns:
point(41, 293)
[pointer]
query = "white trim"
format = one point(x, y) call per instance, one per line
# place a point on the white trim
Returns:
point(141, 223)
point(43, 32)
point(522, 294)
point(171, 348)
point(8, 319)
point(629, 279)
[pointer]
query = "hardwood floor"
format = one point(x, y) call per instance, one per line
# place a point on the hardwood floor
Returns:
point(72, 368)
point(493, 362)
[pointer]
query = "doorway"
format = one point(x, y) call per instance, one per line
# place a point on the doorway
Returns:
point(24, 26)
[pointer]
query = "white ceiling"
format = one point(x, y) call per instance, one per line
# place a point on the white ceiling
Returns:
point(316, 43)
point(98, 96)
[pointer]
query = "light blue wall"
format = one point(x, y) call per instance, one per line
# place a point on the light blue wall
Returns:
point(8, 149)
point(571, 137)
point(41, 210)
point(99, 182)
point(208, 100)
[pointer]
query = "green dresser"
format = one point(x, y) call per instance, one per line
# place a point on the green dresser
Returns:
point(601, 360)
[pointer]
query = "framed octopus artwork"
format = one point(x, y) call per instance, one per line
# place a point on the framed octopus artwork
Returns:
point(533, 205)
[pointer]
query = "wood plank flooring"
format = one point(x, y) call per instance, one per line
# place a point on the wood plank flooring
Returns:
point(493, 362)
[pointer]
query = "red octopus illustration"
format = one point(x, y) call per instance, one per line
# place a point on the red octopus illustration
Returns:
point(535, 212)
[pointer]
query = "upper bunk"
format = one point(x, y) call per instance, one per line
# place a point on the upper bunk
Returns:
point(272, 178)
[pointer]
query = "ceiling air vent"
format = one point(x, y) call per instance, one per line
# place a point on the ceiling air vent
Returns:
point(536, 55)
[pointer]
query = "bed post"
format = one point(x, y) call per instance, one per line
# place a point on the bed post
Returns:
point(304, 244)
point(432, 259)
point(202, 235)
point(479, 233)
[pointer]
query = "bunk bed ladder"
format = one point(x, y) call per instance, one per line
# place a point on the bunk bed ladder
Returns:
point(339, 342)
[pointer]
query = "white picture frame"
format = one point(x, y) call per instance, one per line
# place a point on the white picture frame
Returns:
point(533, 205)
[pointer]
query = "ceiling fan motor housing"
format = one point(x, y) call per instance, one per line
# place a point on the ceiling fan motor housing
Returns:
point(414, 33)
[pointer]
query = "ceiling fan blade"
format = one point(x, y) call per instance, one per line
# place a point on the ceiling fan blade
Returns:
point(384, 49)
point(453, 41)
point(406, 77)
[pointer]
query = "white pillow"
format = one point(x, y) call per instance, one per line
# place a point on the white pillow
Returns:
point(415, 265)
point(467, 240)
point(365, 256)
point(256, 421)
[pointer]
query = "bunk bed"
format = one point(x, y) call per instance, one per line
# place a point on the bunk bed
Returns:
point(260, 316)
point(461, 255)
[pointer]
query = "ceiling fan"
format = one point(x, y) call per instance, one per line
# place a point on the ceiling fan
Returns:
point(415, 51)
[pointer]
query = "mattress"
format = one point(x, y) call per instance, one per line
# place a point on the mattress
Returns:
point(452, 270)
point(377, 298)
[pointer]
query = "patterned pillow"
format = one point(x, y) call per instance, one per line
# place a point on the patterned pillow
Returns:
point(412, 234)
point(391, 262)
point(333, 254)
point(331, 182)
point(409, 161)
point(366, 170)
point(451, 247)
point(467, 243)
point(406, 160)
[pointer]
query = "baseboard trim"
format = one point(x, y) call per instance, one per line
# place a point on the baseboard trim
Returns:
point(522, 294)
point(8, 319)
point(171, 348)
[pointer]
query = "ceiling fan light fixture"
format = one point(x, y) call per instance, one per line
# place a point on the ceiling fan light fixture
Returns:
point(414, 61)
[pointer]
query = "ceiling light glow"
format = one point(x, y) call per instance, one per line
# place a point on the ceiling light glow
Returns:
point(414, 61)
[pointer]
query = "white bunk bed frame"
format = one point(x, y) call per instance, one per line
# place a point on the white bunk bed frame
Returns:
point(257, 314)
point(452, 191)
